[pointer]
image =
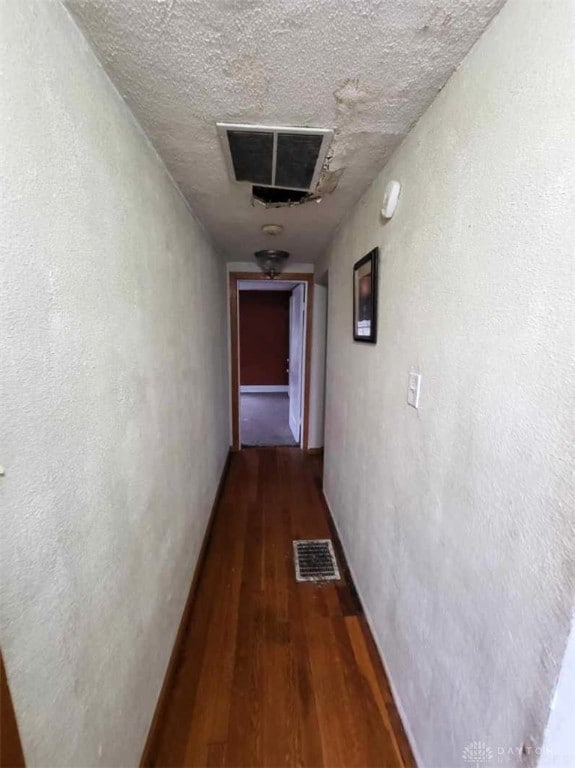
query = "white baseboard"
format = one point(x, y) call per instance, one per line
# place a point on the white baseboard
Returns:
point(262, 388)
point(404, 721)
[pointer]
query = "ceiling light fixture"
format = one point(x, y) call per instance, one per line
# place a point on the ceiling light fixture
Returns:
point(272, 229)
point(271, 262)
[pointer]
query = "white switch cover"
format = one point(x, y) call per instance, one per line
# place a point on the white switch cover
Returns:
point(413, 388)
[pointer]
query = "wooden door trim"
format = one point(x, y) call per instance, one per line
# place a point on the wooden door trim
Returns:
point(296, 277)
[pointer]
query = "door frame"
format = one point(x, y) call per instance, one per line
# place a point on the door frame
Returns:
point(296, 277)
point(296, 365)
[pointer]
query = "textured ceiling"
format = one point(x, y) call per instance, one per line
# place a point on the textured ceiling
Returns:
point(367, 68)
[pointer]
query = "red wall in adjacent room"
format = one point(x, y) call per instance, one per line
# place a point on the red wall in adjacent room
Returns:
point(264, 337)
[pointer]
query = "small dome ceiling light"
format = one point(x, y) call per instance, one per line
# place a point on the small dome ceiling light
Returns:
point(271, 262)
point(273, 229)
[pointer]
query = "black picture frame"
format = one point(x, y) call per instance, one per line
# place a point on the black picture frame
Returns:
point(365, 306)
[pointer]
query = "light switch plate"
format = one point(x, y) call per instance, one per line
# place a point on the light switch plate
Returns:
point(413, 388)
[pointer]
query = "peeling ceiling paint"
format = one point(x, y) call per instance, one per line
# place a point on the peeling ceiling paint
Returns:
point(367, 68)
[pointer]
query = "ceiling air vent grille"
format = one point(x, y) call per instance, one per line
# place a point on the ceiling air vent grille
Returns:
point(271, 156)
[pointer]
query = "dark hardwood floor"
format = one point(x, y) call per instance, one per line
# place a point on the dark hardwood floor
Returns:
point(272, 672)
point(11, 755)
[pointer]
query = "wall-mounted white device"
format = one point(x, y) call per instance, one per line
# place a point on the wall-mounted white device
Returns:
point(413, 388)
point(390, 199)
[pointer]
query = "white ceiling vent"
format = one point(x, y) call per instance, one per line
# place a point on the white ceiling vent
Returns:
point(271, 156)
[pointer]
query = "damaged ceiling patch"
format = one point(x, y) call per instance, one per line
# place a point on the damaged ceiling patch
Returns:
point(272, 197)
point(368, 69)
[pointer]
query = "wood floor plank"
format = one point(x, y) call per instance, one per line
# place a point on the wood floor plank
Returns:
point(244, 743)
point(210, 715)
point(278, 744)
point(215, 756)
point(172, 741)
point(275, 672)
point(376, 680)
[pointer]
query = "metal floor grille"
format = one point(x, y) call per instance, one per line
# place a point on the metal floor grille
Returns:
point(315, 560)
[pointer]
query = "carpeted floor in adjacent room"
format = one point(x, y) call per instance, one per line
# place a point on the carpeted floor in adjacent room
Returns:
point(264, 419)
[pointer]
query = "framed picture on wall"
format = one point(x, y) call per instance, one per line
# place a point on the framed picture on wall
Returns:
point(365, 298)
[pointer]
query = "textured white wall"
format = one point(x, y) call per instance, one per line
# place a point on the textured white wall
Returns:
point(114, 419)
point(459, 519)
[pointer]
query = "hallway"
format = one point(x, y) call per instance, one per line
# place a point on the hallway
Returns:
point(360, 211)
point(272, 672)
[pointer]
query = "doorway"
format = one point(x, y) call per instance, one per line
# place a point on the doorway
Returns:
point(266, 385)
point(270, 324)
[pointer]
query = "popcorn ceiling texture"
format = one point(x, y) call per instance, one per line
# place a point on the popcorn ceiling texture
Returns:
point(459, 519)
point(114, 419)
point(367, 68)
